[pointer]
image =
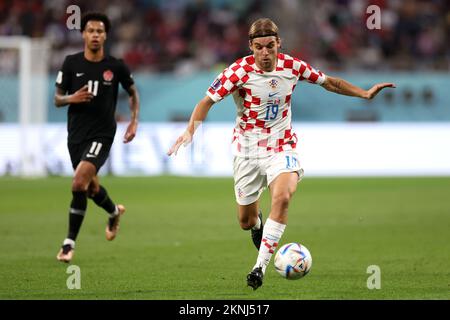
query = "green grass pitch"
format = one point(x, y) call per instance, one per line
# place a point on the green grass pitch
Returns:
point(180, 239)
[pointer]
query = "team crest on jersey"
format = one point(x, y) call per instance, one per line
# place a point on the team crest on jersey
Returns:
point(273, 83)
point(108, 75)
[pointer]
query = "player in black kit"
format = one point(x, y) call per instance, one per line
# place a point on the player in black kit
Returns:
point(88, 82)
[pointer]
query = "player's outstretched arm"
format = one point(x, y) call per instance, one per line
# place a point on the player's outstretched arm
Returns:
point(80, 96)
point(198, 115)
point(341, 86)
point(134, 108)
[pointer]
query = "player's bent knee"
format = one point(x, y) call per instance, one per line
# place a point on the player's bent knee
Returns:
point(282, 199)
point(245, 225)
point(248, 222)
point(93, 190)
point(79, 184)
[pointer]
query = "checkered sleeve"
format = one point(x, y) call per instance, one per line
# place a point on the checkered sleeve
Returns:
point(228, 81)
point(308, 73)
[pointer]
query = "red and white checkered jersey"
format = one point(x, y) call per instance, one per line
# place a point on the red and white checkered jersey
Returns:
point(263, 102)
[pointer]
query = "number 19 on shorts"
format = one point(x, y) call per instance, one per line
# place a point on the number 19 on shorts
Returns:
point(291, 162)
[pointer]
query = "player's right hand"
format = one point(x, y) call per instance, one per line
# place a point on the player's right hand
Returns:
point(184, 139)
point(372, 92)
point(82, 95)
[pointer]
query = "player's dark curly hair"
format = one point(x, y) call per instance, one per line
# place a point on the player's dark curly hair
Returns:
point(95, 16)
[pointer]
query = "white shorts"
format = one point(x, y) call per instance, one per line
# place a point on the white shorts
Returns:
point(252, 176)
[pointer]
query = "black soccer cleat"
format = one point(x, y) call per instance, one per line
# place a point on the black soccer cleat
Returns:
point(255, 278)
point(257, 234)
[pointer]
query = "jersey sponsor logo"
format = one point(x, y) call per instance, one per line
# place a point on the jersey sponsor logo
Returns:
point(80, 74)
point(273, 94)
point(215, 85)
point(108, 75)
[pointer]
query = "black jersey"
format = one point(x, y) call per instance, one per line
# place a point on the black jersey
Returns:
point(94, 119)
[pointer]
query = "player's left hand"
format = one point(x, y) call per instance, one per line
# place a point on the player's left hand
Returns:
point(131, 132)
point(184, 140)
point(372, 92)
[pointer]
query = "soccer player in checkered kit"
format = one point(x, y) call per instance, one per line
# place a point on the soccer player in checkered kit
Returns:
point(263, 142)
point(88, 82)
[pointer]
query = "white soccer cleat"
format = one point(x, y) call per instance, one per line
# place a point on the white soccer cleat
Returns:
point(113, 224)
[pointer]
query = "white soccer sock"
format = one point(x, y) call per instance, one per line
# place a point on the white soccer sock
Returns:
point(115, 213)
point(271, 236)
point(69, 241)
point(257, 226)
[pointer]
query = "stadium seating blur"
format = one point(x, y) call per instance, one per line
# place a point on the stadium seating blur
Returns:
point(175, 48)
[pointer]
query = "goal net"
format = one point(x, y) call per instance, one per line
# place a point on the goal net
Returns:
point(23, 102)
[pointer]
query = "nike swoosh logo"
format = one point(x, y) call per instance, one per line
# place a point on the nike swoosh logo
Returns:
point(273, 94)
point(80, 74)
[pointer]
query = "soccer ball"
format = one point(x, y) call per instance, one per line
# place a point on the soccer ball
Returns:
point(293, 261)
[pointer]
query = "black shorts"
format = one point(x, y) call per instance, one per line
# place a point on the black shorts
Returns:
point(95, 151)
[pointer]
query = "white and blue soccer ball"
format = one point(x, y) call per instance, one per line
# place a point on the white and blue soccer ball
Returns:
point(293, 261)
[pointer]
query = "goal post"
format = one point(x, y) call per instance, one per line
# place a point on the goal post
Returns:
point(24, 65)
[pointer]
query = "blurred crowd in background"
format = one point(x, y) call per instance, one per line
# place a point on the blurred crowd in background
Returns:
point(186, 36)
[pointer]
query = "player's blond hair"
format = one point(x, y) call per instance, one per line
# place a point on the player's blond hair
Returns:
point(263, 27)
